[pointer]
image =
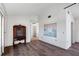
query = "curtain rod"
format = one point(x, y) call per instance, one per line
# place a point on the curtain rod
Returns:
point(70, 5)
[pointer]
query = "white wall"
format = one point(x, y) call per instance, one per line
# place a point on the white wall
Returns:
point(63, 20)
point(4, 14)
point(16, 20)
point(77, 30)
point(59, 17)
point(68, 29)
point(70, 35)
point(76, 27)
point(75, 15)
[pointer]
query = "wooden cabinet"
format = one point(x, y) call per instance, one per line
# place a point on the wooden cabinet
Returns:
point(19, 33)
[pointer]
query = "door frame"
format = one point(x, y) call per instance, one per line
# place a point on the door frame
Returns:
point(2, 32)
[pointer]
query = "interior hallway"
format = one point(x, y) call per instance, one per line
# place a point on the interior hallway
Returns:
point(39, 48)
point(50, 22)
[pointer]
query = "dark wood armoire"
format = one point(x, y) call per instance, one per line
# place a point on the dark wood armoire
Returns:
point(19, 33)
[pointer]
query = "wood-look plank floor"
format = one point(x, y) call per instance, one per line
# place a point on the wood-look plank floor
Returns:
point(39, 48)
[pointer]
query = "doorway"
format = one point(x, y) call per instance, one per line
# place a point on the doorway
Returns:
point(35, 31)
point(72, 33)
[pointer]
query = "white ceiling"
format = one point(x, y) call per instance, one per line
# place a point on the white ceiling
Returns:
point(32, 9)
